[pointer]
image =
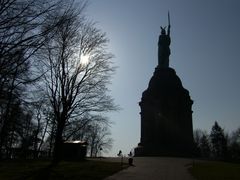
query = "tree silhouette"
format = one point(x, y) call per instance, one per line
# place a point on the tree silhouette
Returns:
point(218, 142)
point(197, 134)
point(99, 139)
point(234, 145)
point(204, 146)
point(20, 38)
point(75, 86)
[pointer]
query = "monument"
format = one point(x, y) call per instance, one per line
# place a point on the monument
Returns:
point(166, 109)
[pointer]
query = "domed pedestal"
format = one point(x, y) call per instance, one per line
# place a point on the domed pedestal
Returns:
point(166, 117)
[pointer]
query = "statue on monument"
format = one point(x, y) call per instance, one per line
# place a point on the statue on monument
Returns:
point(163, 46)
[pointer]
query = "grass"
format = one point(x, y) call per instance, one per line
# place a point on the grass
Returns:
point(215, 171)
point(34, 170)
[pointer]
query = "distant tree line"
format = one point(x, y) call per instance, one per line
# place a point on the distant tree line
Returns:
point(217, 145)
point(49, 92)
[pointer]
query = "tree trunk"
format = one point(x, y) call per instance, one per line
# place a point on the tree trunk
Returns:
point(57, 153)
point(43, 136)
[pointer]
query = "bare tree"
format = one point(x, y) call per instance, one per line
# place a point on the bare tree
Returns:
point(42, 121)
point(21, 36)
point(77, 69)
point(20, 31)
point(234, 145)
point(99, 139)
point(11, 93)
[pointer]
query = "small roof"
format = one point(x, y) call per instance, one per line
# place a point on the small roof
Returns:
point(76, 142)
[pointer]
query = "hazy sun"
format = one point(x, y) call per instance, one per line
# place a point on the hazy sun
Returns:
point(84, 59)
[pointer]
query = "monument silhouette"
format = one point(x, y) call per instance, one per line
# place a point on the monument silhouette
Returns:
point(166, 109)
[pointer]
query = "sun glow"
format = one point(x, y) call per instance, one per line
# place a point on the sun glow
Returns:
point(84, 59)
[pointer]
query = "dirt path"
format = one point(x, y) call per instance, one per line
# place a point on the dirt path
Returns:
point(156, 168)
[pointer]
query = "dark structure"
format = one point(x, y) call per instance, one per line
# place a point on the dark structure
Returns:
point(74, 150)
point(166, 110)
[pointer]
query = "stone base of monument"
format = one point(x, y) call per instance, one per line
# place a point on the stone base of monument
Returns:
point(166, 117)
point(138, 151)
point(141, 151)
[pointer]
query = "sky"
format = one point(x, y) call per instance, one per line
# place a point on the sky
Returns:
point(205, 53)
